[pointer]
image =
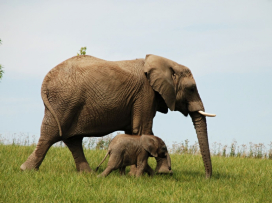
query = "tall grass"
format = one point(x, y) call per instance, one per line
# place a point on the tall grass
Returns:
point(252, 150)
point(217, 149)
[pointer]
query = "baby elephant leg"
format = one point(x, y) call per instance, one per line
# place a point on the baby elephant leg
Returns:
point(106, 172)
point(148, 170)
point(114, 163)
point(133, 170)
point(122, 170)
point(141, 168)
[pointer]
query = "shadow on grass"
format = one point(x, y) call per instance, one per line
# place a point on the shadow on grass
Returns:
point(183, 175)
point(191, 174)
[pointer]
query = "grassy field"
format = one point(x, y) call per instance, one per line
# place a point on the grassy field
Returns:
point(234, 180)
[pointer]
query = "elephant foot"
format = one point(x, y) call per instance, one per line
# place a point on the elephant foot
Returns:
point(151, 173)
point(101, 175)
point(32, 163)
point(131, 174)
point(84, 167)
point(133, 170)
point(28, 166)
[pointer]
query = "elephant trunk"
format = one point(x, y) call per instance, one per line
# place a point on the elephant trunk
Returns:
point(202, 135)
point(163, 165)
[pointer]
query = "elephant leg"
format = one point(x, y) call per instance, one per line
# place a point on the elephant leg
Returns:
point(122, 170)
point(142, 117)
point(149, 170)
point(75, 146)
point(141, 168)
point(133, 170)
point(115, 162)
point(49, 136)
point(35, 159)
point(106, 172)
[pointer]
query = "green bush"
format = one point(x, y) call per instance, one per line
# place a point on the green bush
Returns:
point(82, 51)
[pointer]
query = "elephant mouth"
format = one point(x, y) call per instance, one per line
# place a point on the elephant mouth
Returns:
point(186, 107)
point(183, 108)
point(185, 111)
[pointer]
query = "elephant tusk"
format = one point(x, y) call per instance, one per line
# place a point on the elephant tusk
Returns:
point(206, 114)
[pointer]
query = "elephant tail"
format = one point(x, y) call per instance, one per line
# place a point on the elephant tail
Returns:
point(102, 160)
point(48, 105)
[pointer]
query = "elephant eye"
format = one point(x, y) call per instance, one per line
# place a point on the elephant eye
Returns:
point(174, 76)
point(191, 89)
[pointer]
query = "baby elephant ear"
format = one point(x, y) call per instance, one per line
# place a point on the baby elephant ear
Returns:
point(150, 144)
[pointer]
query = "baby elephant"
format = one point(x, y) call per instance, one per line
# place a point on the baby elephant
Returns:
point(125, 150)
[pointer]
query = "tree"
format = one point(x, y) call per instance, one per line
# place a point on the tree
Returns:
point(82, 51)
point(1, 67)
point(1, 71)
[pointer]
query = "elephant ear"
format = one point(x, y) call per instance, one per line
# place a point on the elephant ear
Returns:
point(159, 73)
point(150, 144)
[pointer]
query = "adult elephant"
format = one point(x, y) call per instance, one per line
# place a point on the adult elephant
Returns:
point(89, 97)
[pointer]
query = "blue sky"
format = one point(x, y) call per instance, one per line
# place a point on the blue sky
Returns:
point(226, 44)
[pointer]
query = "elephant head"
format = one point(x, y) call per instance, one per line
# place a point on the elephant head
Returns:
point(178, 90)
point(157, 148)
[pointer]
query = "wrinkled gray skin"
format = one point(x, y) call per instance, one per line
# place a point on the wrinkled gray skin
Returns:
point(125, 150)
point(89, 97)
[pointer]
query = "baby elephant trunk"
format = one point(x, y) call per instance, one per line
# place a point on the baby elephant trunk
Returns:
point(164, 165)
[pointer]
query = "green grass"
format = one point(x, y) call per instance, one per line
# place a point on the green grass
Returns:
point(234, 180)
